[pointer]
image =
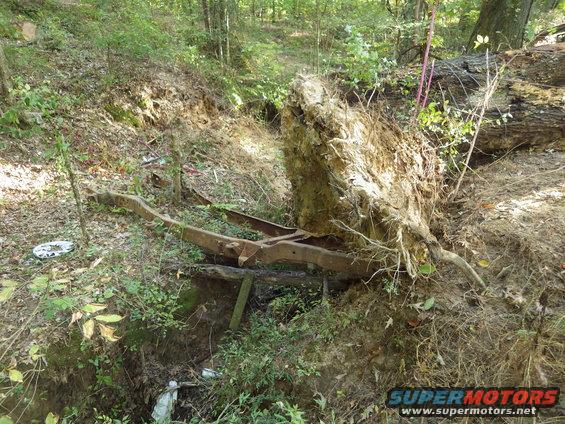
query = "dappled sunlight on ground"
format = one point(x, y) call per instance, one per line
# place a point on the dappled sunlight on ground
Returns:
point(21, 180)
point(532, 202)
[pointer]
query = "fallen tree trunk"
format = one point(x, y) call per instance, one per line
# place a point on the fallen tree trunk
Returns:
point(531, 89)
point(355, 175)
point(5, 96)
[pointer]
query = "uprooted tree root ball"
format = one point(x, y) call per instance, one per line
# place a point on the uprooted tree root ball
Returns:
point(360, 177)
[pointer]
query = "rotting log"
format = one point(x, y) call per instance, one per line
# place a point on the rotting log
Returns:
point(531, 89)
point(355, 174)
point(267, 276)
point(247, 252)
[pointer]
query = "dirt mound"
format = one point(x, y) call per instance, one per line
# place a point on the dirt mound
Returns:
point(160, 99)
point(509, 222)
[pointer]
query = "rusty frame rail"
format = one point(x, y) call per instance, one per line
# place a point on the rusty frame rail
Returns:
point(238, 218)
point(247, 252)
point(256, 224)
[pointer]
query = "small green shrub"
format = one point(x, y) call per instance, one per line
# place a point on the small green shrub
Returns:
point(449, 126)
point(151, 304)
point(363, 63)
point(31, 107)
point(260, 360)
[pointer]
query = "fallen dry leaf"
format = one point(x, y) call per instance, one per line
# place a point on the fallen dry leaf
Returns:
point(88, 329)
point(108, 333)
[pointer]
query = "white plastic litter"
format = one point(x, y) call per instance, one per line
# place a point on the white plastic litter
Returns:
point(163, 410)
point(52, 249)
point(209, 373)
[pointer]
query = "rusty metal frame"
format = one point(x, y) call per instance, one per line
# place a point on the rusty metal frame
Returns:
point(247, 252)
point(238, 218)
point(271, 229)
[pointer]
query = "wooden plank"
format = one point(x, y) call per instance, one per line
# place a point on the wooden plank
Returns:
point(242, 297)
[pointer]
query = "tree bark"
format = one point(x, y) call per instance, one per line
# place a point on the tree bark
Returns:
point(504, 22)
point(4, 79)
point(531, 89)
point(177, 170)
point(206, 15)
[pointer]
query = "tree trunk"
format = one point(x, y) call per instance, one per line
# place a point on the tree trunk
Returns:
point(548, 5)
point(410, 46)
point(531, 89)
point(318, 36)
point(4, 79)
point(206, 15)
point(504, 22)
point(227, 11)
point(274, 11)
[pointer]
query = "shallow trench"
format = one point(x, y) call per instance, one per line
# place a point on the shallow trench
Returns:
point(128, 377)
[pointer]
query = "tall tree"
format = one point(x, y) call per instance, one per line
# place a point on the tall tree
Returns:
point(504, 21)
point(206, 15)
point(4, 79)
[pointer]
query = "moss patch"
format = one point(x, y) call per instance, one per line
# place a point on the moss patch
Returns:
point(120, 114)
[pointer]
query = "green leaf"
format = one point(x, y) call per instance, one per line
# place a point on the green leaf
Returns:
point(51, 418)
point(33, 352)
point(6, 293)
point(429, 303)
point(427, 269)
point(109, 318)
point(39, 283)
point(8, 283)
point(15, 376)
point(92, 308)
point(4, 419)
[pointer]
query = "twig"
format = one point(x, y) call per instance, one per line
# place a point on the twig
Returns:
point(177, 170)
point(67, 163)
point(429, 84)
point(491, 88)
point(426, 56)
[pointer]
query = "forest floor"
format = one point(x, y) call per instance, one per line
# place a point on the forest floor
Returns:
point(334, 359)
